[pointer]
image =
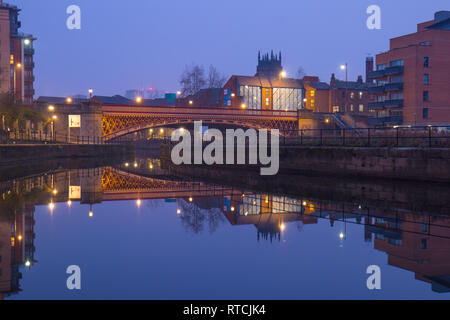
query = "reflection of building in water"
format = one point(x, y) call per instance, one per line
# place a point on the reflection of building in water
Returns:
point(420, 244)
point(16, 247)
point(269, 214)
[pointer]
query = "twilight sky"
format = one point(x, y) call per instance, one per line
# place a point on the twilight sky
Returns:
point(146, 43)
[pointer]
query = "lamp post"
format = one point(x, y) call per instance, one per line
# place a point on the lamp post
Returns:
point(54, 118)
point(18, 66)
point(91, 92)
point(345, 67)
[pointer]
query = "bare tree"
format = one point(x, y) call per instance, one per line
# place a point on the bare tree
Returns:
point(215, 78)
point(300, 72)
point(154, 94)
point(192, 79)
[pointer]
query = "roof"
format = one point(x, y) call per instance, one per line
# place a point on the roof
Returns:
point(59, 100)
point(117, 99)
point(319, 85)
point(268, 82)
point(352, 85)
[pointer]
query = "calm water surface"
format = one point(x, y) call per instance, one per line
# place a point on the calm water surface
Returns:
point(141, 236)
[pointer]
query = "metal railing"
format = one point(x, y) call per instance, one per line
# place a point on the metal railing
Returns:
point(29, 137)
point(425, 137)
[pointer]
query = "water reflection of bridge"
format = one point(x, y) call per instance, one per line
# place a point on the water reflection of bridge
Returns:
point(412, 241)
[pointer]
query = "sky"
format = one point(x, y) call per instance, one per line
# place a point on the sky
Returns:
point(145, 43)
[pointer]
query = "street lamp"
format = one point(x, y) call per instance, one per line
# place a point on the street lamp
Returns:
point(69, 100)
point(139, 99)
point(51, 108)
point(91, 93)
point(345, 67)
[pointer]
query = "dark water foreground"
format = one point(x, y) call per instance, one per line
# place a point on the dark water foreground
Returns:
point(139, 232)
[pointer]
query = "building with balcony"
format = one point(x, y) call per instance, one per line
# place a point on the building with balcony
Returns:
point(413, 77)
point(16, 56)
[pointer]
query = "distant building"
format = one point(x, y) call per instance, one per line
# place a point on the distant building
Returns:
point(210, 97)
point(268, 89)
point(413, 77)
point(16, 56)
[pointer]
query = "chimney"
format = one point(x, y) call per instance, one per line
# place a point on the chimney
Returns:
point(369, 68)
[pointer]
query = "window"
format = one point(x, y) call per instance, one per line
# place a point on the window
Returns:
point(426, 78)
point(12, 59)
point(381, 82)
point(381, 66)
point(426, 62)
point(397, 63)
point(351, 108)
point(313, 93)
point(287, 99)
point(395, 242)
point(251, 96)
point(425, 113)
point(397, 96)
point(426, 96)
point(352, 95)
point(423, 244)
point(424, 227)
point(360, 95)
point(312, 103)
point(361, 108)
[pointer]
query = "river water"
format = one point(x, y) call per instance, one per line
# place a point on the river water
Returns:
point(136, 232)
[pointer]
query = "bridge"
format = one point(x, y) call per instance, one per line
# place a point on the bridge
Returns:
point(120, 120)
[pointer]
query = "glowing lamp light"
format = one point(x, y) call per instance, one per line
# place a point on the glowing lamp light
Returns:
point(139, 202)
point(19, 238)
point(127, 164)
point(283, 74)
point(178, 211)
point(27, 263)
point(91, 214)
point(19, 66)
point(233, 95)
point(161, 131)
point(232, 209)
point(243, 106)
point(150, 166)
point(191, 102)
point(55, 117)
point(305, 203)
point(341, 235)
point(51, 206)
point(27, 42)
point(55, 192)
point(69, 203)
point(51, 108)
point(69, 100)
point(135, 165)
point(343, 67)
point(190, 199)
point(282, 227)
point(178, 93)
point(327, 120)
point(139, 99)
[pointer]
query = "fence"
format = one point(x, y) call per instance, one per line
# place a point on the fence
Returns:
point(30, 137)
point(426, 137)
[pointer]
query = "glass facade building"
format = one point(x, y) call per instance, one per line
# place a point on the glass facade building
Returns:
point(251, 96)
point(288, 99)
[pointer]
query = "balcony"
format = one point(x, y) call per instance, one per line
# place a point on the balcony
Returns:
point(394, 103)
point(386, 72)
point(396, 86)
point(377, 89)
point(385, 120)
point(376, 105)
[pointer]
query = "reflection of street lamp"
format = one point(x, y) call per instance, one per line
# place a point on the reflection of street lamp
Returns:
point(54, 118)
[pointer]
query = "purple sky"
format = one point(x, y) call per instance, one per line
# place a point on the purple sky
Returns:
point(145, 43)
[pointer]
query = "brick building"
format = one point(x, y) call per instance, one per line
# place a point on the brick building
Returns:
point(413, 77)
point(16, 56)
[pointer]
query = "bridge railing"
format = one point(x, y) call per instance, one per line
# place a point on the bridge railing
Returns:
point(426, 137)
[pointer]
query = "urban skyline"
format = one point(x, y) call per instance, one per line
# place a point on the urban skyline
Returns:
point(158, 63)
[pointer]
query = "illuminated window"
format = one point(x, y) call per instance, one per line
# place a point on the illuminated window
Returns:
point(267, 101)
point(352, 95)
point(313, 93)
point(287, 99)
point(312, 103)
point(11, 59)
point(361, 108)
point(251, 96)
point(361, 95)
point(351, 107)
